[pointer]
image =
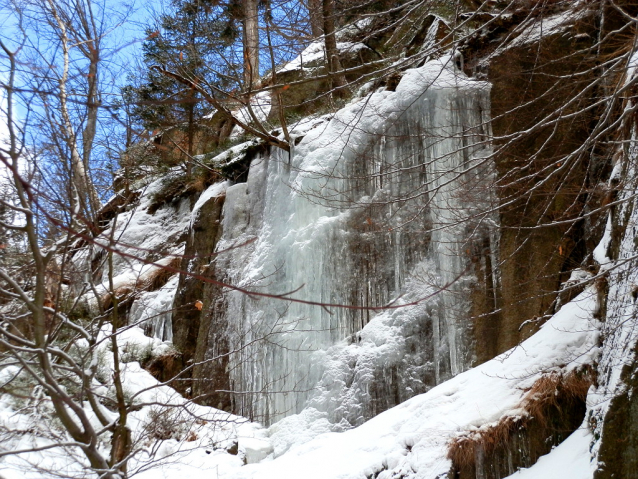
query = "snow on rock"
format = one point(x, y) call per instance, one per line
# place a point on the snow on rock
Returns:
point(620, 269)
point(152, 310)
point(255, 449)
point(141, 235)
point(260, 104)
point(213, 191)
point(412, 438)
point(536, 28)
point(314, 54)
point(570, 459)
point(138, 275)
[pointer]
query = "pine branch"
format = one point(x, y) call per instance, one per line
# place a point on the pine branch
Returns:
point(270, 139)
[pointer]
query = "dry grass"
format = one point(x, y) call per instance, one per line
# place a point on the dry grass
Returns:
point(167, 367)
point(549, 394)
point(164, 362)
point(463, 450)
point(554, 389)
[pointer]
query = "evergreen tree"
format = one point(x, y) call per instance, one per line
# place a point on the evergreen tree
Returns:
point(196, 39)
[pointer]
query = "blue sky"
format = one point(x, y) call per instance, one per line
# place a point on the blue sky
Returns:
point(121, 50)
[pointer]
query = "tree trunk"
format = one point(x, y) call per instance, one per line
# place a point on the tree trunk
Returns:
point(337, 77)
point(81, 180)
point(316, 17)
point(251, 43)
point(191, 130)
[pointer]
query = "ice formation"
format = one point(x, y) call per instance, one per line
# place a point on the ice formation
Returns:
point(379, 205)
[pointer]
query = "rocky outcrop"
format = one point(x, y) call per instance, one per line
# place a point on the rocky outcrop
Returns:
point(195, 310)
point(553, 408)
point(545, 175)
point(618, 454)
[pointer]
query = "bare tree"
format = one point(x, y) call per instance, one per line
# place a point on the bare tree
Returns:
point(78, 33)
point(39, 342)
point(314, 8)
point(338, 79)
point(251, 42)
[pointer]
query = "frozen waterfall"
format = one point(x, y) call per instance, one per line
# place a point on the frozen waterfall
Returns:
point(377, 205)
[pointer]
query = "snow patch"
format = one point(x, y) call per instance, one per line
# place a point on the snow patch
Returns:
point(570, 459)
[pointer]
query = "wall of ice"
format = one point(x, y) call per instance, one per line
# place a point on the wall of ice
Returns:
point(379, 205)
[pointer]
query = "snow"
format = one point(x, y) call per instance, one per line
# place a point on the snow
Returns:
point(137, 273)
point(255, 449)
point(298, 429)
point(315, 54)
point(600, 252)
point(213, 191)
point(533, 29)
point(199, 435)
point(234, 153)
point(619, 330)
point(412, 438)
point(570, 459)
point(323, 364)
point(153, 310)
point(536, 28)
point(409, 439)
point(619, 269)
point(142, 235)
point(260, 104)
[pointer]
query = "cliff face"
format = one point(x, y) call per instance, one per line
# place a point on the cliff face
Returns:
point(544, 187)
point(346, 221)
point(614, 406)
point(420, 231)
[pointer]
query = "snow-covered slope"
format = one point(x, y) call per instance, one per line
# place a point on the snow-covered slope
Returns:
point(571, 459)
point(166, 429)
point(410, 440)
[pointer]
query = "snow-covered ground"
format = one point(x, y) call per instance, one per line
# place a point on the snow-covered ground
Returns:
point(410, 439)
point(168, 431)
point(570, 459)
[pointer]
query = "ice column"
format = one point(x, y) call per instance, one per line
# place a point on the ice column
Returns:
point(395, 180)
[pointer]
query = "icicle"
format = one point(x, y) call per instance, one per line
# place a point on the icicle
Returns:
point(377, 203)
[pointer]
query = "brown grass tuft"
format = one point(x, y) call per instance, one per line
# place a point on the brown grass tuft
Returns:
point(167, 367)
point(552, 390)
point(548, 396)
point(464, 450)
